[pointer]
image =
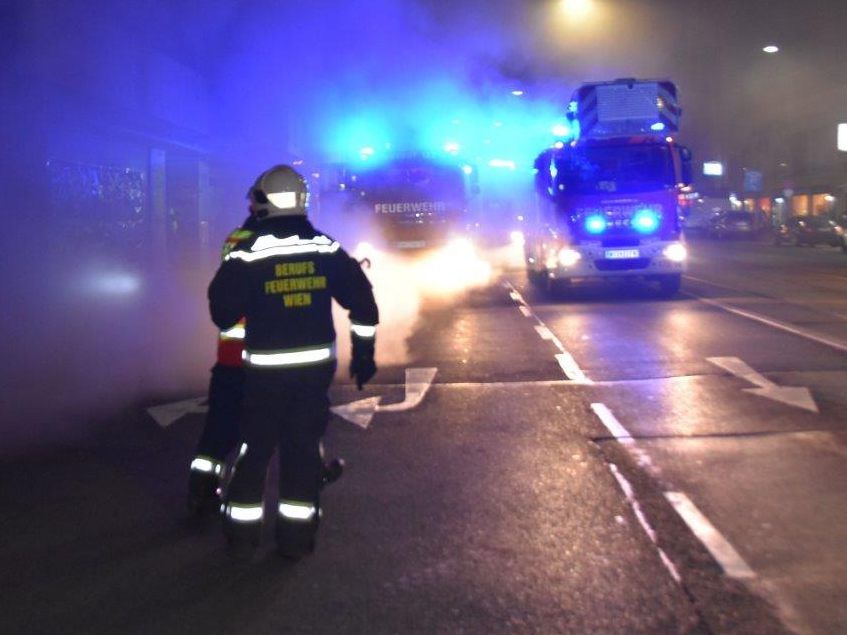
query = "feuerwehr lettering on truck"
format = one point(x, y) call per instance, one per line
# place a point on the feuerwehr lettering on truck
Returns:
point(419, 207)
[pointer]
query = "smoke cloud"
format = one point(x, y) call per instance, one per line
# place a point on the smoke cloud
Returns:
point(104, 106)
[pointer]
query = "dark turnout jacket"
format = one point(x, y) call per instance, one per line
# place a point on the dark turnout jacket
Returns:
point(282, 279)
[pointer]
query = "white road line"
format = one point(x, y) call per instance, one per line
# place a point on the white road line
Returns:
point(571, 368)
point(794, 330)
point(730, 560)
point(543, 332)
point(564, 358)
point(612, 424)
point(642, 520)
point(623, 436)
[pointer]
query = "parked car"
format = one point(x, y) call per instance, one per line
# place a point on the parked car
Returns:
point(734, 224)
point(699, 216)
point(810, 230)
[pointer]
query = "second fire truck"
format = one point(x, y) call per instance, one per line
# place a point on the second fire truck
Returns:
point(608, 202)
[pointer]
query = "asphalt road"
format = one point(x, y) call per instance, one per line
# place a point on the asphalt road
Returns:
point(593, 463)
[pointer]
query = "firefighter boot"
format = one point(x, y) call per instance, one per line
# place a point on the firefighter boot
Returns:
point(295, 540)
point(203, 499)
point(331, 472)
point(242, 538)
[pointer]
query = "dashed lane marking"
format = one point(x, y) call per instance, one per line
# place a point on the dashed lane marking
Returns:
point(565, 360)
point(623, 436)
point(720, 548)
point(722, 551)
point(642, 520)
point(611, 422)
point(571, 368)
point(543, 332)
point(516, 296)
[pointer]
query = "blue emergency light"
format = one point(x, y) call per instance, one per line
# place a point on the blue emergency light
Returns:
point(645, 221)
point(595, 224)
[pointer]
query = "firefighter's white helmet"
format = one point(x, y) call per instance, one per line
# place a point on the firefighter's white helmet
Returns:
point(279, 191)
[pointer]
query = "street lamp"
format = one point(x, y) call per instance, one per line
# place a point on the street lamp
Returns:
point(577, 9)
point(771, 48)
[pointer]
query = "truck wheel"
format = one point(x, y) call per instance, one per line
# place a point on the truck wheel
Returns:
point(557, 287)
point(669, 285)
point(536, 278)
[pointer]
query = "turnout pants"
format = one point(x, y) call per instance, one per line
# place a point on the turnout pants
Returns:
point(221, 431)
point(288, 409)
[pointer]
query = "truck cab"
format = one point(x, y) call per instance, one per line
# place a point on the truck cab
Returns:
point(413, 203)
point(608, 202)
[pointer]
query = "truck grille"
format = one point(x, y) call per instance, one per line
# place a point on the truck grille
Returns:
point(622, 265)
point(621, 241)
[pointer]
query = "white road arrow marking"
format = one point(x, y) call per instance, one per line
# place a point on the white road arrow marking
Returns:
point(361, 412)
point(169, 413)
point(798, 397)
point(418, 381)
point(358, 412)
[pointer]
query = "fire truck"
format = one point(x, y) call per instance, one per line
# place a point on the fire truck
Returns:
point(414, 202)
point(607, 201)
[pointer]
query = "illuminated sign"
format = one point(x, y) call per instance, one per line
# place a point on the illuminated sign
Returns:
point(753, 181)
point(713, 168)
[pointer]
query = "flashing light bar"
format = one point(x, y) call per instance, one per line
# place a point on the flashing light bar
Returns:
point(645, 221)
point(502, 163)
point(560, 130)
point(595, 224)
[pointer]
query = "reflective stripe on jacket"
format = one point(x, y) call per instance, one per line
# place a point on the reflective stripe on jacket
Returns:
point(231, 345)
point(283, 279)
point(231, 340)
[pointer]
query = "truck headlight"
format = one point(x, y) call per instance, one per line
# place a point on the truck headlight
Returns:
point(569, 257)
point(676, 252)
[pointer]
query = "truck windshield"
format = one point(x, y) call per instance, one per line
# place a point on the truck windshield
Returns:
point(620, 168)
point(408, 181)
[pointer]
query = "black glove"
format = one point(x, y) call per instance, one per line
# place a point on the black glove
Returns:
point(362, 364)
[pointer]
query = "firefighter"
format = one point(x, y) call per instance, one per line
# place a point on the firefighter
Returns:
point(220, 433)
point(282, 279)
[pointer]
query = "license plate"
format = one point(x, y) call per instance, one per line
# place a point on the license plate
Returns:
point(622, 254)
point(410, 244)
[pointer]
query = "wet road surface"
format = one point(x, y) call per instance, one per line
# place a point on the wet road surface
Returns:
point(593, 463)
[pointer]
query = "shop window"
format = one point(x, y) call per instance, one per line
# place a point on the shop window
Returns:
point(800, 205)
point(822, 204)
